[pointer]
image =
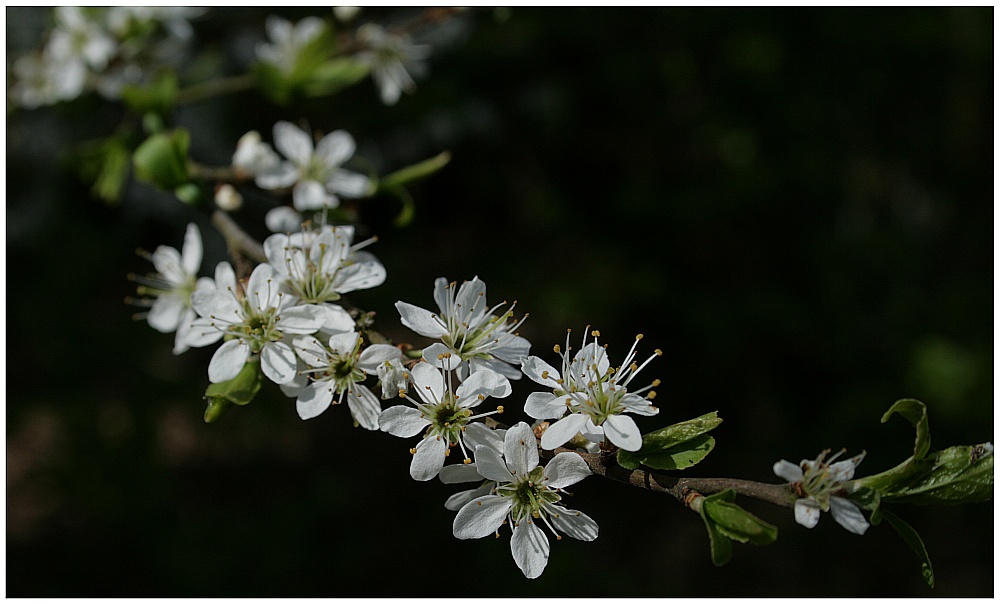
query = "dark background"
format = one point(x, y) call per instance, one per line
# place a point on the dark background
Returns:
point(794, 204)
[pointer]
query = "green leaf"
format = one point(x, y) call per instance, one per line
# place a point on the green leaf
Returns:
point(413, 173)
point(238, 391)
point(916, 413)
point(105, 163)
point(157, 97)
point(675, 447)
point(678, 457)
point(162, 159)
point(720, 546)
point(334, 75)
point(735, 522)
point(962, 474)
point(912, 539)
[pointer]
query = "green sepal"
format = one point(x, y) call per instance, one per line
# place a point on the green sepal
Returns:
point(161, 159)
point(334, 75)
point(912, 539)
point(418, 171)
point(916, 412)
point(675, 447)
point(215, 408)
point(735, 522)
point(157, 97)
point(238, 391)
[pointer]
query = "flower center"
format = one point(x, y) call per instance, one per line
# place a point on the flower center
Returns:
point(530, 497)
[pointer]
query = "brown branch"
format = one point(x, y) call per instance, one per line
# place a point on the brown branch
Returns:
point(243, 248)
point(606, 465)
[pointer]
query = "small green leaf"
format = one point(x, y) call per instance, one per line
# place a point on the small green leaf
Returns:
point(238, 391)
point(720, 546)
point(916, 413)
point(678, 457)
point(912, 539)
point(162, 159)
point(737, 523)
point(675, 447)
point(413, 173)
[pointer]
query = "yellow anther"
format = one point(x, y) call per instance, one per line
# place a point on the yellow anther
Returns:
point(545, 375)
point(556, 349)
point(638, 336)
point(466, 461)
point(656, 383)
point(595, 333)
point(651, 395)
point(500, 409)
point(413, 451)
point(658, 352)
point(402, 393)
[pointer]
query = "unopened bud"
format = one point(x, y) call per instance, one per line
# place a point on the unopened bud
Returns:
point(227, 198)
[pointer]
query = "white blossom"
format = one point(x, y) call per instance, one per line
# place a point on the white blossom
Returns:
point(471, 336)
point(475, 436)
point(391, 58)
point(442, 413)
point(288, 41)
point(394, 377)
point(593, 395)
point(283, 219)
point(254, 156)
point(527, 495)
point(258, 317)
point(335, 372)
point(176, 278)
point(821, 486)
point(314, 172)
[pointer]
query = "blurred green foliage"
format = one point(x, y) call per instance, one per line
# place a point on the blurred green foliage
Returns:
point(794, 204)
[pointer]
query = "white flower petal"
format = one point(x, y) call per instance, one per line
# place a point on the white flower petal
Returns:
point(314, 399)
point(520, 449)
point(530, 548)
point(575, 524)
point(167, 262)
point(344, 343)
point(471, 298)
point(261, 292)
point(540, 372)
point(311, 195)
point(478, 435)
point(788, 471)
point(375, 355)
point(807, 512)
point(638, 405)
point(293, 142)
point(545, 405)
point(622, 432)
point(848, 515)
point(496, 366)
point(337, 320)
point(282, 219)
point(301, 320)
point(278, 176)
point(511, 348)
point(277, 361)
point(349, 184)
point(420, 320)
point(842, 471)
point(191, 252)
point(441, 356)
point(227, 361)
point(202, 333)
point(460, 472)
point(363, 275)
point(166, 313)
point(442, 291)
point(365, 407)
point(310, 350)
point(213, 304)
point(459, 499)
point(402, 421)
point(481, 517)
point(225, 277)
point(335, 148)
point(491, 465)
point(429, 458)
point(566, 469)
point(563, 430)
point(428, 382)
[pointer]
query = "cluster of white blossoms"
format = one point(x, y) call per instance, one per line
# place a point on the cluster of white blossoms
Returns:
point(821, 486)
point(100, 49)
point(590, 395)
